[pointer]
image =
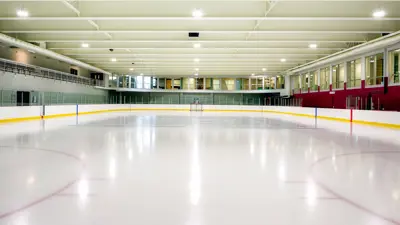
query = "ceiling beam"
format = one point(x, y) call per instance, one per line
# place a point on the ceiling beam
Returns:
point(199, 41)
point(203, 32)
point(188, 48)
point(195, 19)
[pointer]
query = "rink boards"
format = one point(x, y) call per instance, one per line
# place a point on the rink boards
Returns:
point(376, 118)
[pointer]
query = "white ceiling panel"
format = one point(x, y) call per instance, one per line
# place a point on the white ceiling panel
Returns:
point(237, 37)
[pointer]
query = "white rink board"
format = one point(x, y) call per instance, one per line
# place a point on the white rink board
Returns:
point(16, 112)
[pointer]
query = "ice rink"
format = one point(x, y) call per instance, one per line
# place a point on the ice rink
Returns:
point(182, 168)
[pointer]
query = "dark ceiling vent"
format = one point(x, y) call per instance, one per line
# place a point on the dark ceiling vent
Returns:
point(35, 43)
point(194, 34)
point(13, 46)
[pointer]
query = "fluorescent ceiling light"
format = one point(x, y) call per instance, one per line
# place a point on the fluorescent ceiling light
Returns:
point(22, 13)
point(113, 60)
point(85, 45)
point(131, 69)
point(313, 46)
point(197, 69)
point(197, 13)
point(141, 74)
point(197, 60)
point(379, 14)
point(252, 74)
point(283, 60)
point(264, 69)
point(197, 45)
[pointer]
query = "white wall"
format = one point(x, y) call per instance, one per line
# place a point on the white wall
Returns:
point(11, 81)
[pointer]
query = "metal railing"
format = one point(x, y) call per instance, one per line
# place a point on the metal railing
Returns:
point(25, 69)
point(223, 100)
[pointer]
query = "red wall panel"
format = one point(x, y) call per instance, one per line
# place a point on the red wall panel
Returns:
point(389, 101)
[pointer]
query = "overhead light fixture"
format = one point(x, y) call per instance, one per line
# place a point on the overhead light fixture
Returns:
point(141, 74)
point(22, 13)
point(283, 60)
point(379, 14)
point(197, 60)
point(113, 60)
point(196, 74)
point(252, 74)
point(85, 45)
point(197, 45)
point(197, 69)
point(264, 69)
point(131, 69)
point(372, 61)
point(197, 13)
point(313, 46)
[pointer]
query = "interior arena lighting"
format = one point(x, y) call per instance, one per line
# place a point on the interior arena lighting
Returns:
point(197, 13)
point(22, 13)
point(196, 74)
point(196, 60)
point(252, 74)
point(131, 69)
point(197, 45)
point(141, 74)
point(379, 14)
point(113, 60)
point(313, 46)
point(264, 69)
point(283, 60)
point(85, 45)
point(196, 69)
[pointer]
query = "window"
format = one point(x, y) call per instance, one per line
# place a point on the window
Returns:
point(394, 66)
point(139, 82)
point(216, 84)
point(304, 82)
point(338, 76)
point(324, 77)
point(280, 82)
point(354, 73)
point(374, 69)
point(73, 71)
point(314, 81)
point(147, 83)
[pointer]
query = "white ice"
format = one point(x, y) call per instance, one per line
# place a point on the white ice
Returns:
point(181, 168)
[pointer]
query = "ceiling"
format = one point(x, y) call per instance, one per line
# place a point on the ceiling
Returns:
point(237, 38)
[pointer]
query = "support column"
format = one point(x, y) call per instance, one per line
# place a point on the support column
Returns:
point(308, 76)
point(385, 67)
point(188, 83)
point(172, 83)
point(345, 76)
point(263, 83)
point(204, 83)
point(158, 83)
point(249, 83)
point(165, 84)
point(300, 83)
point(363, 72)
point(256, 83)
point(330, 77)
point(319, 79)
point(374, 74)
point(130, 81)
